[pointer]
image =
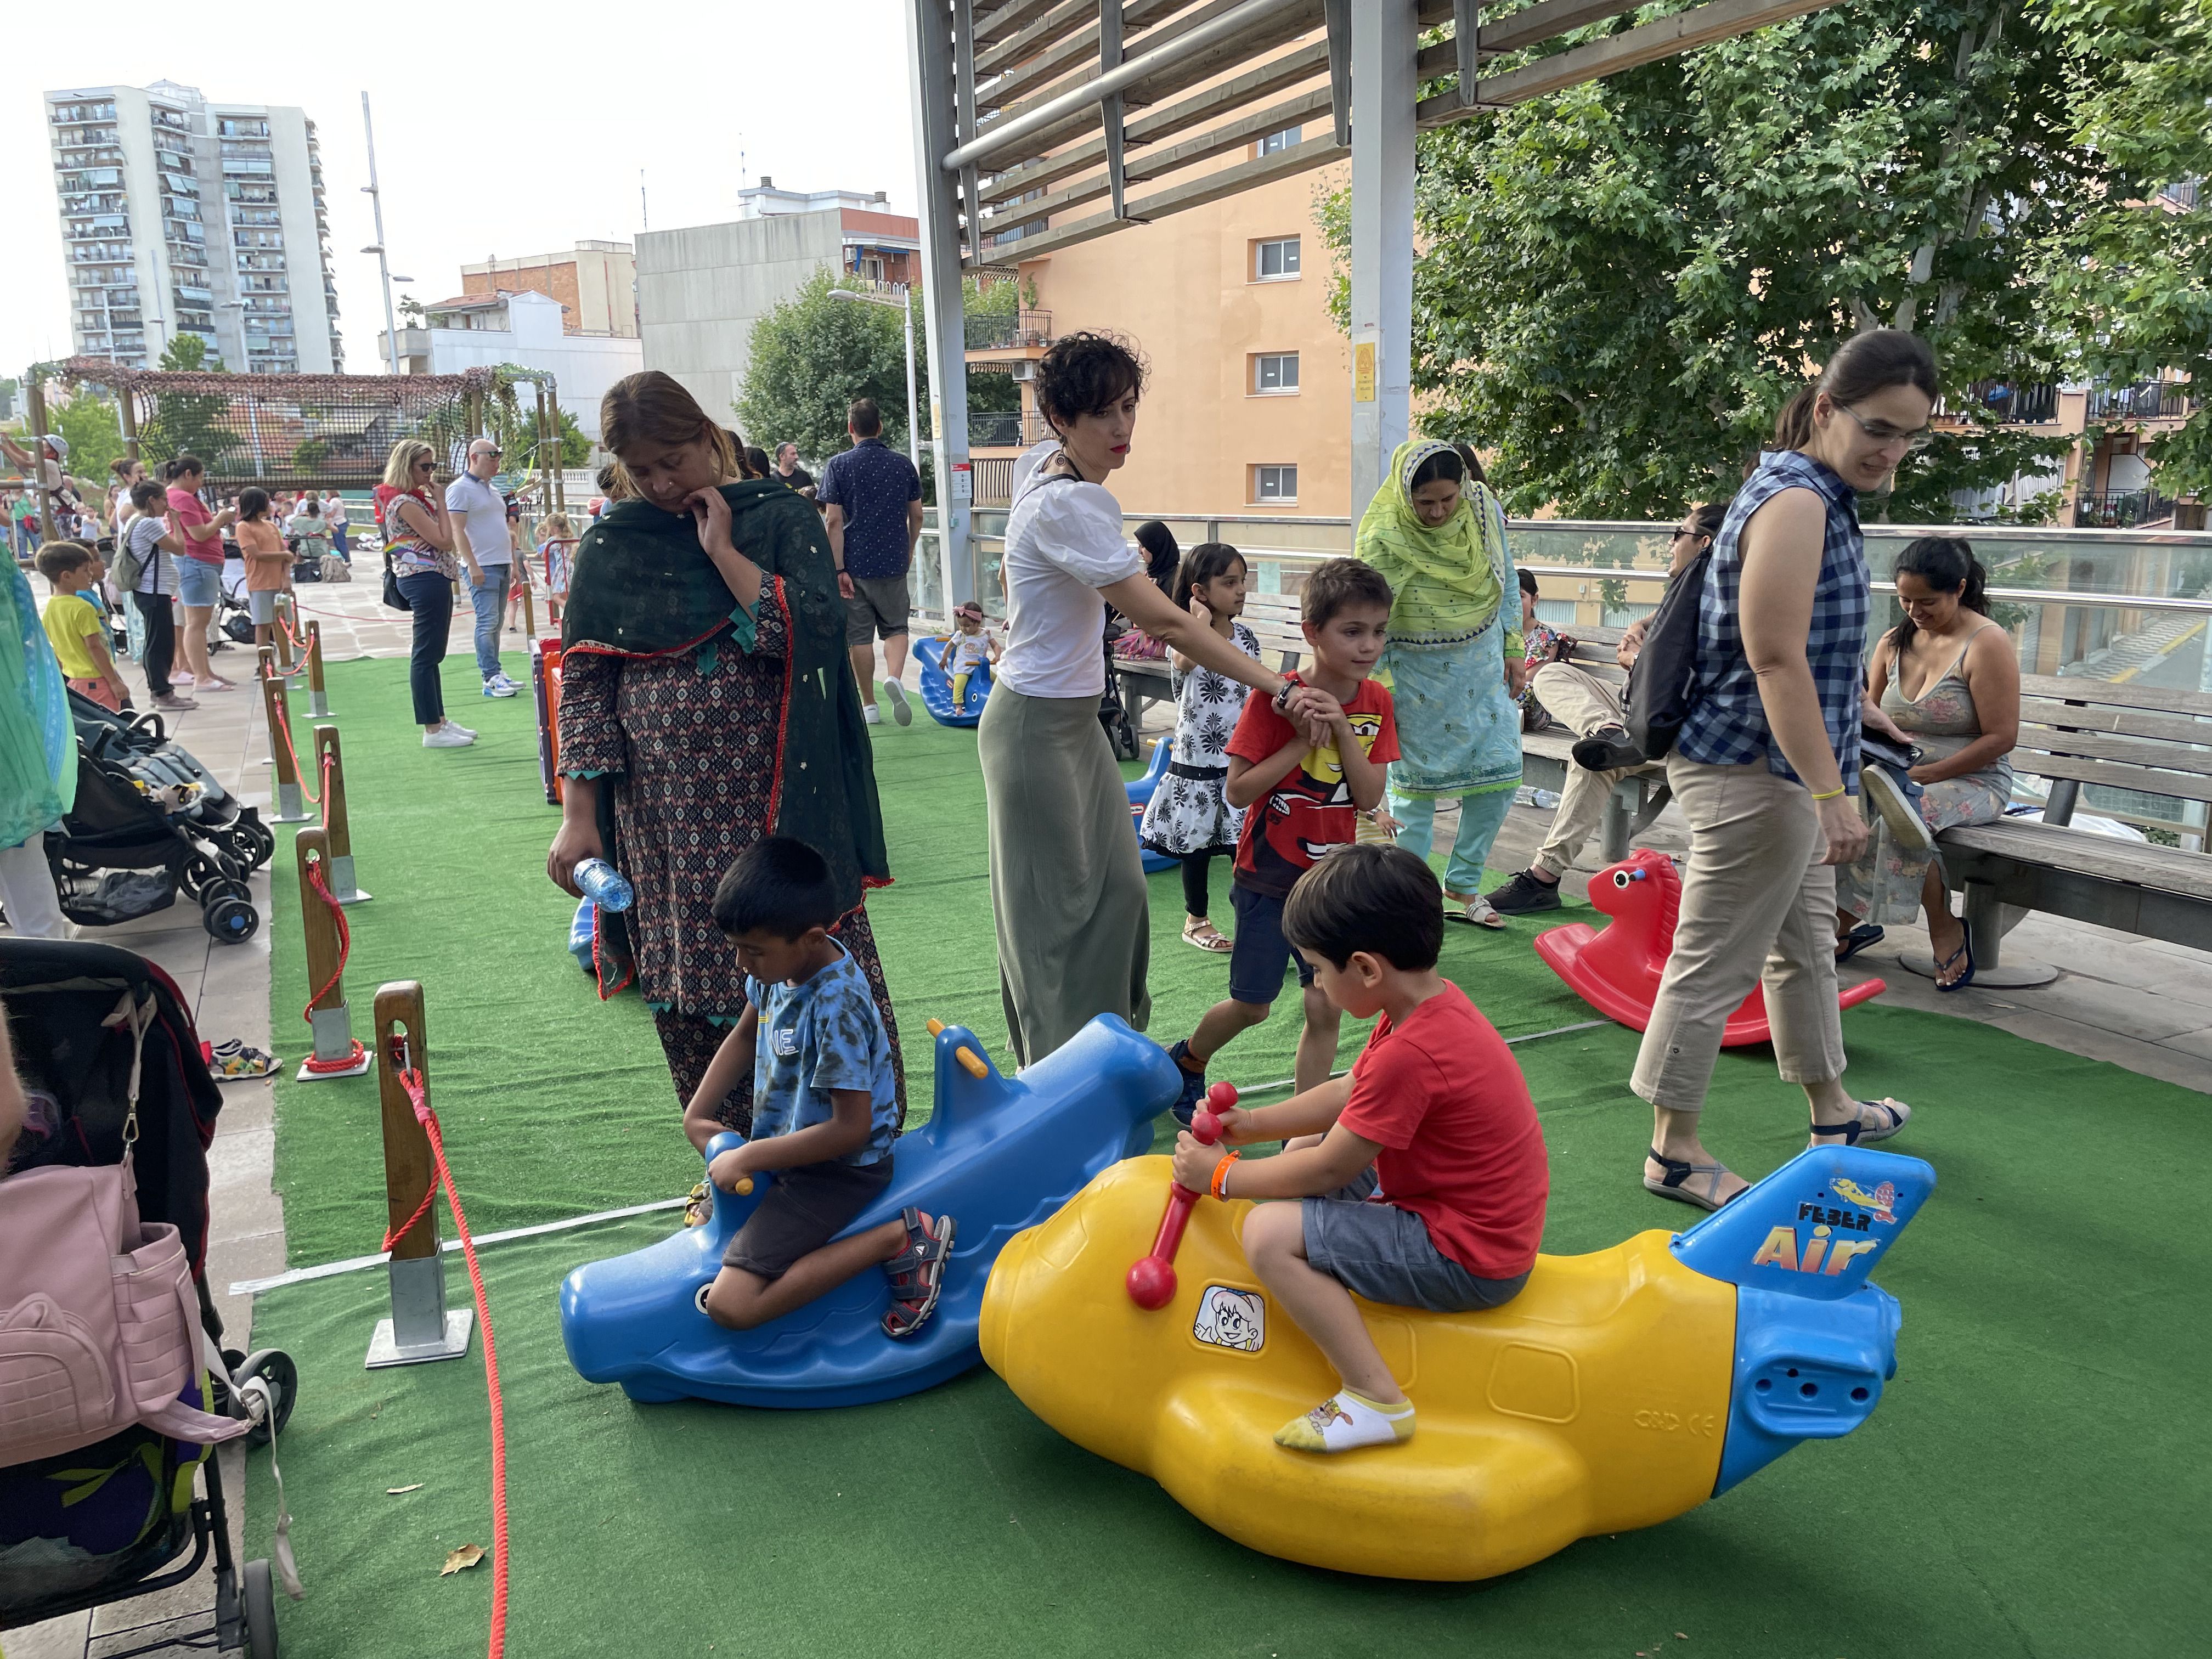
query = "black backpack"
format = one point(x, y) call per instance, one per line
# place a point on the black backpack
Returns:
point(1665, 678)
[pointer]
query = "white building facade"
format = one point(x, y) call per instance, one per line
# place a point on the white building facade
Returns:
point(524, 330)
point(180, 215)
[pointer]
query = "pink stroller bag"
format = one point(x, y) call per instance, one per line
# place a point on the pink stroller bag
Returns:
point(100, 1328)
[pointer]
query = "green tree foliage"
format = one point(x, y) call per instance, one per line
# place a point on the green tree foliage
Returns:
point(514, 425)
point(1621, 284)
point(2135, 292)
point(191, 423)
point(88, 421)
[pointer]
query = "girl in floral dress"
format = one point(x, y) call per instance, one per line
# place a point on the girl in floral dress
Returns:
point(1189, 818)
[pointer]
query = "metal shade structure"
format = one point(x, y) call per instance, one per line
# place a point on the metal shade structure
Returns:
point(1042, 124)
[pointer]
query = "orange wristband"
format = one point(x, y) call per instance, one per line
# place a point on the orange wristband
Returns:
point(1221, 1173)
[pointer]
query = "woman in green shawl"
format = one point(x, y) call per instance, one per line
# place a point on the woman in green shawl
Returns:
point(38, 761)
point(706, 702)
point(1453, 663)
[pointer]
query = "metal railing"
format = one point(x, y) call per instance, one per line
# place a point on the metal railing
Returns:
point(2120, 510)
point(2028, 403)
point(1003, 430)
point(2146, 400)
point(1008, 330)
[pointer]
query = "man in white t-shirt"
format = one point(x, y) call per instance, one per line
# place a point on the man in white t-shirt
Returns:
point(485, 540)
point(334, 514)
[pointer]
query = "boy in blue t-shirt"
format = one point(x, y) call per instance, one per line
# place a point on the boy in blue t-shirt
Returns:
point(825, 1106)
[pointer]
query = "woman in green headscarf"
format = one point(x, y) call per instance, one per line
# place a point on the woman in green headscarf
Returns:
point(38, 761)
point(1437, 535)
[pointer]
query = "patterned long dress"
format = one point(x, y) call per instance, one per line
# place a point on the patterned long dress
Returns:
point(689, 742)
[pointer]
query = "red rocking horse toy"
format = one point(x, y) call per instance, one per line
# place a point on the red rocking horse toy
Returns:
point(1617, 971)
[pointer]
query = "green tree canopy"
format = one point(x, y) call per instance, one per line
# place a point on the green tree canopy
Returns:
point(88, 421)
point(2134, 291)
point(1621, 284)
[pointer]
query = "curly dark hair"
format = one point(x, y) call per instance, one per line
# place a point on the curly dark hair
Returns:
point(1086, 373)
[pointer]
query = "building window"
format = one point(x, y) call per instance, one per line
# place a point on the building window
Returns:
point(1275, 142)
point(1275, 486)
point(1276, 260)
point(1275, 371)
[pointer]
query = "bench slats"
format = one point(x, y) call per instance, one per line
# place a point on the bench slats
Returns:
point(2100, 745)
point(2078, 850)
point(2105, 692)
point(2127, 722)
point(2112, 774)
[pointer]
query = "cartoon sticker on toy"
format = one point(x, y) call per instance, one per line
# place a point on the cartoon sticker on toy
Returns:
point(1879, 1200)
point(1232, 1319)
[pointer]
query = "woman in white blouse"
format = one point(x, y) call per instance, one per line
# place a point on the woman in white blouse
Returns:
point(1067, 885)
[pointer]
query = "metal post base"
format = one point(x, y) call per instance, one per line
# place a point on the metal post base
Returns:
point(333, 1029)
point(385, 1349)
point(290, 807)
point(342, 887)
point(2012, 976)
point(319, 706)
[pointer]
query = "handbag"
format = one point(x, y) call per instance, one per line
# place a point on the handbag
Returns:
point(393, 599)
point(1664, 680)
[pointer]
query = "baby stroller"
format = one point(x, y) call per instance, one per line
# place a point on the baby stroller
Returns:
point(125, 851)
point(141, 744)
point(103, 1041)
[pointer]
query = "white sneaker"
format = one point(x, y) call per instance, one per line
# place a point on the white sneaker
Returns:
point(872, 715)
point(448, 736)
point(900, 711)
point(500, 686)
point(465, 730)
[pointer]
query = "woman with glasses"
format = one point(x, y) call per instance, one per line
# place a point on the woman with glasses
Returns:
point(418, 552)
point(1765, 767)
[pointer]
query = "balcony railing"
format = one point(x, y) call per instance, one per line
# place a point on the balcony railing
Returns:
point(2120, 510)
point(1005, 431)
point(1009, 331)
point(2182, 192)
point(2146, 400)
point(2027, 403)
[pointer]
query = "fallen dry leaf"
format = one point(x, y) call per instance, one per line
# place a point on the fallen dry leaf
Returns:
point(467, 1556)
point(394, 1492)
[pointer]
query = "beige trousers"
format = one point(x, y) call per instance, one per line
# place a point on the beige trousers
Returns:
point(1757, 910)
point(1581, 702)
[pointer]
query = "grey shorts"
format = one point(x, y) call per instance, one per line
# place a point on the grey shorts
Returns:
point(879, 607)
point(1385, 1253)
point(261, 606)
point(803, 1210)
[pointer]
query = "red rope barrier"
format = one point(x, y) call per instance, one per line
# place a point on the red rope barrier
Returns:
point(411, 1081)
point(345, 949)
point(284, 721)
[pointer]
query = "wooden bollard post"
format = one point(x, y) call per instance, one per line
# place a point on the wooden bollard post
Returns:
point(330, 766)
point(422, 1327)
point(336, 1054)
point(529, 608)
point(318, 704)
point(281, 636)
point(290, 807)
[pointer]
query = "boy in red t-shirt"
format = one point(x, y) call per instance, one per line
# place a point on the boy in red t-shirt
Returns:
point(1302, 786)
point(1422, 1175)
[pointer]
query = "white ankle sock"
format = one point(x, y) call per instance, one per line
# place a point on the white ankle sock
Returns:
point(1346, 1420)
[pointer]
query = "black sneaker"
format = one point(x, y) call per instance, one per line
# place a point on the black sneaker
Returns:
point(1608, 749)
point(1525, 895)
point(1193, 1086)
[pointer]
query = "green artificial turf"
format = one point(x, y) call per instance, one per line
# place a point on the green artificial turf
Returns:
point(2031, 1483)
point(561, 1101)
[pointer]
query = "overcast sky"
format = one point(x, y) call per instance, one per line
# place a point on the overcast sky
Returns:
point(498, 130)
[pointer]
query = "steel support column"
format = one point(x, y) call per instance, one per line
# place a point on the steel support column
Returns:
point(1384, 36)
point(930, 52)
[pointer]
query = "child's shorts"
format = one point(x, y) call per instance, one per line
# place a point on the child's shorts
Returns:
point(99, 692)
point(803, 1210)
point(1385, 1253)
point(261, 606)
point(1261, 954)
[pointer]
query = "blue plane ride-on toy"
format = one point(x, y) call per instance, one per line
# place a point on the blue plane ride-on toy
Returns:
point(998, 1154)
point(1140, 790)
point(937, 687)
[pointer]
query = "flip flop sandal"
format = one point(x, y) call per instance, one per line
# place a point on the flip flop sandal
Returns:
point(1473, 909)
point(1680, 1173)
point(1963, 980)
point(1211, 940)
point(1857, 940)
point(917, 1273)
point(697, 1207)
point(1858, 1130)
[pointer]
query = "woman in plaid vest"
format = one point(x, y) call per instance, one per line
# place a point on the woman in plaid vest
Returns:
point(1766, 768)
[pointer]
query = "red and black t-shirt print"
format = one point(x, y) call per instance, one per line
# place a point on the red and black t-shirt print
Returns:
point(1309, 813)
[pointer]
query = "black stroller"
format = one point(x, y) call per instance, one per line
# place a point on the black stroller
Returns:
point(149, 820)
point(109, 1521)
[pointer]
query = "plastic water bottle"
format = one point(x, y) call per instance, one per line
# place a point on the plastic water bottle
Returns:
point(604, 885)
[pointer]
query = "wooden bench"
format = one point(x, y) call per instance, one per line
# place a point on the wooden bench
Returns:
point(1274, 620)
point(2077, 731)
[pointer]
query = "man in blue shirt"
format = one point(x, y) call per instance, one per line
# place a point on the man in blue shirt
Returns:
point(873, 500)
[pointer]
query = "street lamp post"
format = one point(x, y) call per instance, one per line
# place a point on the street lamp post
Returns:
point(383, 266)
point(905, 304)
